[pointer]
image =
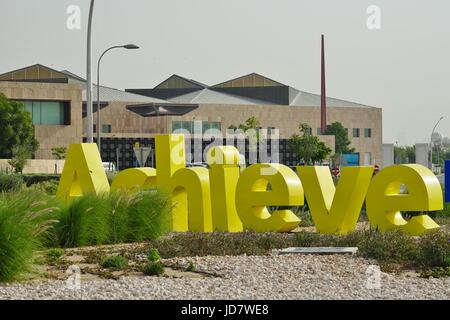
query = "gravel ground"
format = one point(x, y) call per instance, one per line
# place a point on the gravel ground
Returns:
point(247, 277)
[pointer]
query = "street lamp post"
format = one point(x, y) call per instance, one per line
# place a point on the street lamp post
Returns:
point(128, 47)
point(431, 142)
point(89, 116)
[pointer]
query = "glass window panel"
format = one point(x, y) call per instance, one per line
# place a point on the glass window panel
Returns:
point(51, 113)
point(176, 125)
point(106, 128)
point(36, 112)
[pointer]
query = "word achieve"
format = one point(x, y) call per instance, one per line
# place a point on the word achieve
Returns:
point(222, 198)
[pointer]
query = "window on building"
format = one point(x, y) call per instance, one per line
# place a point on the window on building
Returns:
point(319, 131)
point(185, 125)
point(355, 132)
point(367, 132)
point(47, 112)
point(106, 128)
point(211, 125)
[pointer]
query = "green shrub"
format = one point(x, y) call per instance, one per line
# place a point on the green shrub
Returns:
point(153, 255)
point(434, 250)
point(10, 182)
point(444, 212)
point(191, 266)
point(25, 219)
point(49, 187)
point(435, 272)
point(31, 179)
point(154, 268)
point(115, 263)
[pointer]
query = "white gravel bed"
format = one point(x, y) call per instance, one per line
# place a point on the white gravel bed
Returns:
point(248, 277)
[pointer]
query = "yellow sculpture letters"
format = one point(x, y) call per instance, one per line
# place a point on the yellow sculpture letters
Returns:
point(83, 172)
point(385, 201)
point(335, 210)
point(189, 186)
point(224, 199)
point(134, 179)
point(224, 175)
point(252, 197)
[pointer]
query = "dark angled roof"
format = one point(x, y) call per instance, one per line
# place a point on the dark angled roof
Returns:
point(249, 81)
point(158, 110)
point(250, 89)
point(35, 73)
point(178, 82)
point(208, 96)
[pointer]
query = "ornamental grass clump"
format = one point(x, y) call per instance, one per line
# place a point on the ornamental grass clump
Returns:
point(113, 218)
point(84, 221)
point(25, 220)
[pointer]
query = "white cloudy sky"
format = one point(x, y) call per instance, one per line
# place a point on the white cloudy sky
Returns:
point(403, 68)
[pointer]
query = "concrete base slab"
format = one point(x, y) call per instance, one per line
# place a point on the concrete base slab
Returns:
point(318, 250)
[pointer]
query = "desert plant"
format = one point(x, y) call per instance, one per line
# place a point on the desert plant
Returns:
point(25, 219)
point(153, 268)
point(115, 263)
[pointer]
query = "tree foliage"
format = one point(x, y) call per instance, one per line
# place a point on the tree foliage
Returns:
point(342, 142)
point(16, 128)
point(405, 154)
point(306, 147)
point(59, 152)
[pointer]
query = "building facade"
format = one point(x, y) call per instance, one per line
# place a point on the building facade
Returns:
point(56, 101)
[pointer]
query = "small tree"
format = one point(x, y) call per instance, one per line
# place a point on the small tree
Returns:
point(342, 142)
point(322, 152)
point(20, 155)
point(251, 123)
point(307, 147)
point(59, 153)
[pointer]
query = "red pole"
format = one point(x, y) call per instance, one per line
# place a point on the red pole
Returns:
point(323, 95)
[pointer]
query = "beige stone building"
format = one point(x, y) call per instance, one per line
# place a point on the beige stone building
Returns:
point(56, 101)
